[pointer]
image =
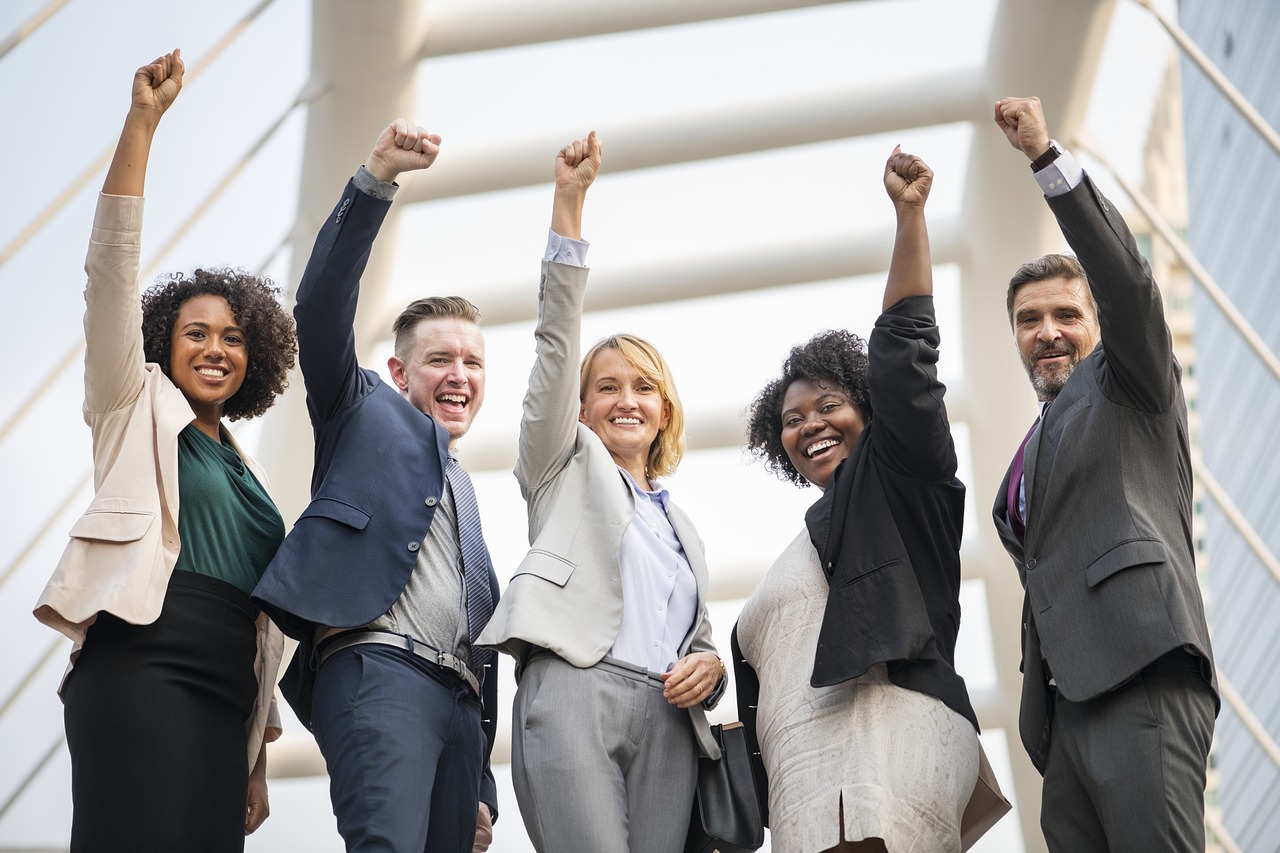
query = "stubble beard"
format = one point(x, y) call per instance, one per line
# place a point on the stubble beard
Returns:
point(1048, 382)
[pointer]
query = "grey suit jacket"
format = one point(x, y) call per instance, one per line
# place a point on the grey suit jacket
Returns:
point(1107, 560)
point(566, 594)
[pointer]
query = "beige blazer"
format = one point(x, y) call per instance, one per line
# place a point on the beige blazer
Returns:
point(566, 594)
point(123, 549)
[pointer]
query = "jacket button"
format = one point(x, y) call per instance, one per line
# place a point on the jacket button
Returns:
point(1031, 563)
point(413, 546)
point(431, 501)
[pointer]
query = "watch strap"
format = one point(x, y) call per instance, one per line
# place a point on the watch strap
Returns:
point(1047, 157)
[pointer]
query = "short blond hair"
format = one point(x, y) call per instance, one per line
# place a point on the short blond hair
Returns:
point(668, 446)
point(405, 328)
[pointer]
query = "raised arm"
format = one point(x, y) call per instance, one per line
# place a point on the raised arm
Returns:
point(114, 355)
point(914, 434)
point(155, 87)
point(577, 165)
point(329, 292)
point(907, 180)
point(551, 404)
point(1139, 370)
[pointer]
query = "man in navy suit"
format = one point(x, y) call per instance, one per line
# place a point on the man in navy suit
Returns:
point(382, 576)
point(1119, 694)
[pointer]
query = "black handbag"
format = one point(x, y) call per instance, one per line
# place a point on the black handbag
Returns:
point(726, 810)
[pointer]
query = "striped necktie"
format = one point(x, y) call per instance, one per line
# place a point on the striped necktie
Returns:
point(475, 561)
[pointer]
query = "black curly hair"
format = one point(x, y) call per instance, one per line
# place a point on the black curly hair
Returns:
point(838, 357)
point(268, 328)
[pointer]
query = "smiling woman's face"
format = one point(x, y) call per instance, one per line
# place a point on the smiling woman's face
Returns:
point(624, 407)
point(820, 426)
point(208, 354)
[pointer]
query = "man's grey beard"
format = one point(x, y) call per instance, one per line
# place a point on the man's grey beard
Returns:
point(1048, 384)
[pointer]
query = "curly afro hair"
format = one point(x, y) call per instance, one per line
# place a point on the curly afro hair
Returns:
point(272, 342)
point(837, 357)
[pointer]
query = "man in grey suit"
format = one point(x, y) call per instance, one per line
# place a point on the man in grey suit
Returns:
point(1119, 695)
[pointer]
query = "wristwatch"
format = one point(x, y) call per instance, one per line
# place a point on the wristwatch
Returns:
point(1048, 156)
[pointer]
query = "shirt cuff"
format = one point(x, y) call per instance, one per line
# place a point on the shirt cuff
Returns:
point(713, 700)
point(369, 185)
point(565, 250)
point(1061, 176)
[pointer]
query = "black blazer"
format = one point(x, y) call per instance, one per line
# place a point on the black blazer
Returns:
point(378, 475)
point(888, 529)
point(889, 525)
point(1108, 558)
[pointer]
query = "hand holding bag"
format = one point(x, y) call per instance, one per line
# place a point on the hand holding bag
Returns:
point(726, 811)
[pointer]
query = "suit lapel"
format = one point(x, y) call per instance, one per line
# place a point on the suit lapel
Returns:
point(692, 546)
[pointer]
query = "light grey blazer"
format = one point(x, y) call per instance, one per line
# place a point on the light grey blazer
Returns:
point(1107, 560)
point(566, 594)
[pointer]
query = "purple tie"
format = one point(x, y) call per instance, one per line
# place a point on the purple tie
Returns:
point(1015, 484)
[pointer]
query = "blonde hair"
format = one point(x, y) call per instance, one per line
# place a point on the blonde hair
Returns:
point(668, 447)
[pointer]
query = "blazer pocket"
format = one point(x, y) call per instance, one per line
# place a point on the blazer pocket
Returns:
point(1136, 552)
point(879, 567)
point(548, 566)
point(113, 526)
point(336, 510)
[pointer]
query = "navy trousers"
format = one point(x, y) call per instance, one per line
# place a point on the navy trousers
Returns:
point(404, 749)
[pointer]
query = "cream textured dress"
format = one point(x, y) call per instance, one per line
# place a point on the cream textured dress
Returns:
point(902, 762)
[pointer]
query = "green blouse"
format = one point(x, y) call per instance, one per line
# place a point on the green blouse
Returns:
point(229, 526)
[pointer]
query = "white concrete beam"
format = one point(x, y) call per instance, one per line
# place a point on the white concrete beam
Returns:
point(800, 119)
point(758, 267)
point(466, 26)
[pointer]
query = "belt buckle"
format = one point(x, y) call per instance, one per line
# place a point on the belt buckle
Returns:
point(449, 662)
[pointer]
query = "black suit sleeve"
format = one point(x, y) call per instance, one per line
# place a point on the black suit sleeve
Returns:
point(1138, 369)
point(913, 432)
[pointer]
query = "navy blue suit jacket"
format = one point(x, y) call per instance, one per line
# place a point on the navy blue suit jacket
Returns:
point(378, 475)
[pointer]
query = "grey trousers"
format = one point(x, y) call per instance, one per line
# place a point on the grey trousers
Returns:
point(1126, 770)
point(600, 761)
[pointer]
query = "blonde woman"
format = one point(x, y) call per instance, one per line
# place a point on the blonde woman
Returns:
point(606, 615)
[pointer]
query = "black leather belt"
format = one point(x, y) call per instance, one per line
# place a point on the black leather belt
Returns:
point(330, 646)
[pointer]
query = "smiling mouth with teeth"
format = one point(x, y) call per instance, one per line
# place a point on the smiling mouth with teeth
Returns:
point(820, 446)
point(453, 398)
point(627, 421)
point(211, 371)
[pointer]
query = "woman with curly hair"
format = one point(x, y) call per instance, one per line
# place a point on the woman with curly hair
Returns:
point(169, 699)
point(844, 654)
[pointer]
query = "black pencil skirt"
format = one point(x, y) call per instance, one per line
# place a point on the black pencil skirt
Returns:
point(156, 724)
